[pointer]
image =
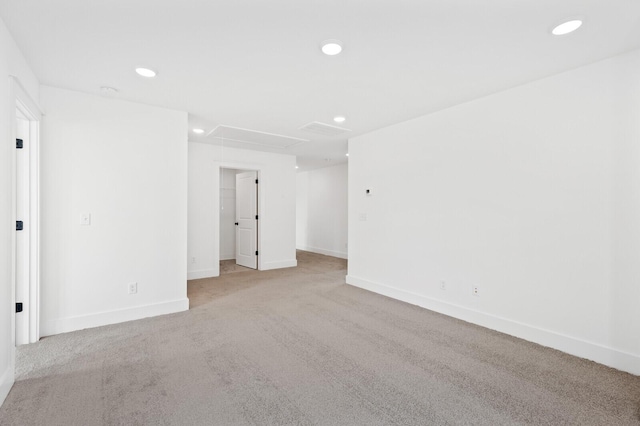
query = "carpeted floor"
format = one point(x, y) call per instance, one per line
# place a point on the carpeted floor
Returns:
point(230, 267)
point(298, 346)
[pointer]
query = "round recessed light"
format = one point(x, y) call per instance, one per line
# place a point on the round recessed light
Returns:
point(146, 72)
point(198, 131)
point(339, 118)
point(567, 27)
point(331, 47)
point(347, 154)
point(297, 167)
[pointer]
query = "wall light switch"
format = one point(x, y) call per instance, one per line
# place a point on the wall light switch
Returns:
point(85, 219)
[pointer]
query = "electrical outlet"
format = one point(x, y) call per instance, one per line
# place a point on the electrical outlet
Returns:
point(193, 260)
point(475, 290)
point(443, 285)
point(133, 288)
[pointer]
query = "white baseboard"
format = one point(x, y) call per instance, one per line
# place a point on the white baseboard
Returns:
point(228, 256)
point(203, 273)
point(340, 254)
point(593, 351)
point(6, 382)
point(279, 264)
point(64, 325)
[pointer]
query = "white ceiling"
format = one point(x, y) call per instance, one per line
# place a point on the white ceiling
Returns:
point(257, 65)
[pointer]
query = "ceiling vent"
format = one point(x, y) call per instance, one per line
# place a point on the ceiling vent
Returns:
point(323, 129)
point(254, 137)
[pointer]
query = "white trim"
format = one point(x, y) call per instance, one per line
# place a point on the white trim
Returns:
point(8, 375)
point(19, 98)
point(279, 264)
point(250, 167)
point(64, 325)
point(31, 105)
point(30, 109)
point(231, 256)
point(34, 233)
point(203, 273)
point(6, 382)
point(341, 255)
point(581, 348)
point(23, 282)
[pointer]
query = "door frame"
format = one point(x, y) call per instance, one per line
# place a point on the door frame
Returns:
point(249, 167)
point(20, 100)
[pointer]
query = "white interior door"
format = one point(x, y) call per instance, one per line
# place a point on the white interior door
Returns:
point(247, 219)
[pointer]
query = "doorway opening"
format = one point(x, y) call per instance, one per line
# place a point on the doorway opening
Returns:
point(26, 126)
point(238, 220)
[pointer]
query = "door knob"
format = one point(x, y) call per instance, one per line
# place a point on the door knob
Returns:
point(236, 223)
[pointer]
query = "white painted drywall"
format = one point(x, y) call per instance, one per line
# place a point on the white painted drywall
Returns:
point(302, 208)
point(321, 217)
point(12, 63)
point(126, 165)
point(276, 205)
point(227, 214)
point(530, 194)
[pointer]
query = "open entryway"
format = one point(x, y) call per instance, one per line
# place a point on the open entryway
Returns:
point(26, 249)
point(238, 219)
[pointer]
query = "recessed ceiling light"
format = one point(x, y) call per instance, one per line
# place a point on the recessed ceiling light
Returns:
point(198, 131)
point(331, 47)
point(347, 154)
point(297, 167)
point(567, 27)
point(339, 118)
point(146, 72)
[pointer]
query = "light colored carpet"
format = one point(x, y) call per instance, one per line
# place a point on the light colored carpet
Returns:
point(298, 346)
point(229, 267)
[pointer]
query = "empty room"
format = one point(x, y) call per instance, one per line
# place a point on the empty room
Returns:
point(410, 212)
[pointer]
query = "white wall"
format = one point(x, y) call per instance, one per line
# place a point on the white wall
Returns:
point(302, 209)
point(12, 63)
point(227, 214)
point(126, 165)
point(321, 218)
point(531, 194)
point(276, 206)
